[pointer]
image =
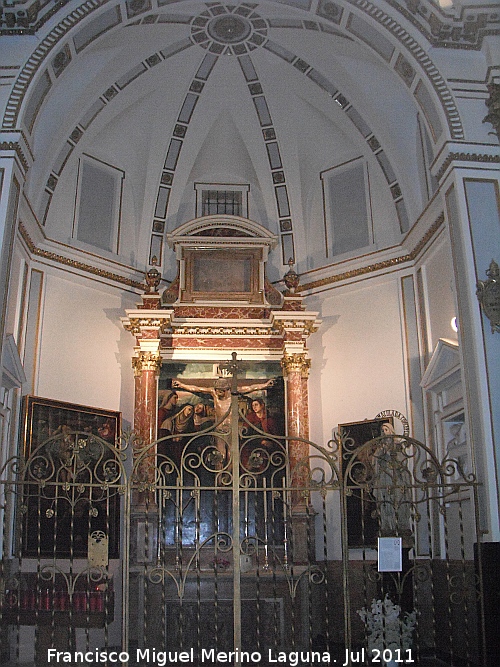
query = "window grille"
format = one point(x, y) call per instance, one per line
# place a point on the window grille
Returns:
point(227, 202)
point(222, 199)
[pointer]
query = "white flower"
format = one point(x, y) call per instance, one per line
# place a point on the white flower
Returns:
point(384, 626)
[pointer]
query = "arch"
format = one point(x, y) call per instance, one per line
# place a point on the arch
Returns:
point(270, 135)
point(384, 23)
point(210, 224)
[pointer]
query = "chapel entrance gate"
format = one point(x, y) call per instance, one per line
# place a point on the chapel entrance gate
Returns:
point(264, 561)
point(232, 544)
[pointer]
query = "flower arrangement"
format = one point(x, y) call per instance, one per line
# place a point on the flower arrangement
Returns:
point(220, 563)
point(385, 627)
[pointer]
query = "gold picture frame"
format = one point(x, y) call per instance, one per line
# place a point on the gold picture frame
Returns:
point(71, 478)
point(222, 275)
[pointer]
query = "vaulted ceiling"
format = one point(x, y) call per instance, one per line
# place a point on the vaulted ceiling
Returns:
point(269, 95)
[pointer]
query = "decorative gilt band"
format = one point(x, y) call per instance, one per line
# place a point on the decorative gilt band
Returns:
point(223, 331)
point(87, 268)
point(296, 363)
point(488, 294)
point(306, 326)
point(330, 280)
point(135, 324)
point(378, 266)
point(146, 361)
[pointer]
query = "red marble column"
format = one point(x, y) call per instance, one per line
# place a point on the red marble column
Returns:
point(296, 368)
point(146, 369)
point(137, 395)
point(305, 400)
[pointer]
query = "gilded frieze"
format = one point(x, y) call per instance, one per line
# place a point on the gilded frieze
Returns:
point(226, 343)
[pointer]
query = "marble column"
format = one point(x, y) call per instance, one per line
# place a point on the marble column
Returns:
point(296, 368)
point(146, 366)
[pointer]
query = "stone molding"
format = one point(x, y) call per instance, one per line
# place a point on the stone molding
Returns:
point(482, 158)
point(75, 264)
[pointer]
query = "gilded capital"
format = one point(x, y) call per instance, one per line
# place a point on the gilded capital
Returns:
point(296, 363)
point(146, 361)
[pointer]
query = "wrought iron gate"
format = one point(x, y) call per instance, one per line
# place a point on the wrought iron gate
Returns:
point(230, 547)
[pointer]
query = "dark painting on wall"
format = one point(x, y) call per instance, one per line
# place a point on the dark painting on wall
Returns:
point(72, 479)
point(362, 521)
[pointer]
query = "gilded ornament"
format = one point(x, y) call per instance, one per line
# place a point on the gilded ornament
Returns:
point(153, 277)
point(87, 268)
point(147, 361)
point(291, 278)
point(387, 264)
point(493, 104)
point(296, 363)
point(488, 294)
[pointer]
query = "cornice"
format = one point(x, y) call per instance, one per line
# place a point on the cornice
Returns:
point(19, 146)
point(306, 323)
point(282, 325)
point(355, 273)
point(75, 264)
point(137, 324)
point(436, 225)
point(384, 265)
point(446, 30)
point(483, 158)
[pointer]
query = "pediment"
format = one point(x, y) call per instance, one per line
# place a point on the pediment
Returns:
point(218, 229)
point(12, 369)
point(444, 364)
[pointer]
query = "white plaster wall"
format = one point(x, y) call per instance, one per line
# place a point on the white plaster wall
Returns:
point(440, 301)
point(357, 369)
point(358, 362)
point(84, 353)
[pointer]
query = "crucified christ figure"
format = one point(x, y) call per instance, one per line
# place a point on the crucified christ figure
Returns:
point(221, 394)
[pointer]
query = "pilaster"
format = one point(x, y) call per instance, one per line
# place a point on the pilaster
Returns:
point(470, 183)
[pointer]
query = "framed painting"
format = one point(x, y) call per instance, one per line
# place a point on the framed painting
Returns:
point(221, 274)
point(71, 479)
point(362, 521)
point(192, 398)
point(198, 383)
